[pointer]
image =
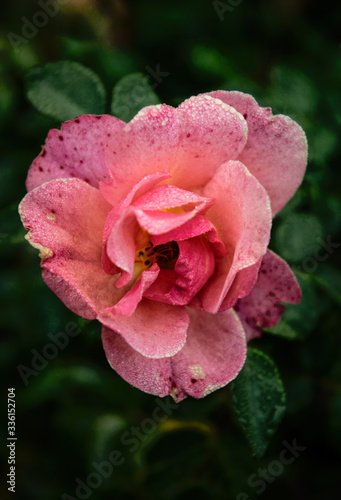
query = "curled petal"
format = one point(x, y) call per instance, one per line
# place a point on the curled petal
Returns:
point(115, 225)
point(195, 265)
point(242, 215)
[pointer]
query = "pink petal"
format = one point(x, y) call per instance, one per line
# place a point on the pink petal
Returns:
point(262, 308)
point(168, 196)
point(211, 133)
point(127, 305)
point(75, 151)
point(242, 216)
point(161, 222)
point(213, 355)
point(242, 285)
point(146, 145)
point(150, 375)
point(276, 150)
point(140, 188)
point(65, 218)
point(154, 330)
point(113, 219)
point(195, 265)
point(120, 247)
point(196, 226)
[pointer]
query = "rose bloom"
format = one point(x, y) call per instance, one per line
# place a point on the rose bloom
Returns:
point(159, 228)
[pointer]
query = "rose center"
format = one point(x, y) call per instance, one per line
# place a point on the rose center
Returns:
point(164, 255)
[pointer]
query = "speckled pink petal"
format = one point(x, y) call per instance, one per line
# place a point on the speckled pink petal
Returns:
point(242, 215)
point(154, 332)
point(195, 265)
point(213, 355)
point(75, 151)
point(150, 375)
point(211, 133)
point(262, 308)
point(147, 144)
point(276, 150)
point(65, 218)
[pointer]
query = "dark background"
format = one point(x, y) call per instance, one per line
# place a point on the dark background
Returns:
point(75, 410)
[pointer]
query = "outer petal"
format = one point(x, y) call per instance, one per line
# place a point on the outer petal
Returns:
point(65, 218)
point(190, 141)
point(262, 308)
point(213, 355)
point(75, 151)
point(154, 332)
point(211, 133)
point(276, 150)
point(150, 375)
point(242, 216)
point(147, 144)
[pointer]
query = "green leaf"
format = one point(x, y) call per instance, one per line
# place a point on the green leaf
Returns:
point(329, 279)
point(132, 93)
point(259, 399)
point(65, 90)
point(298, 237)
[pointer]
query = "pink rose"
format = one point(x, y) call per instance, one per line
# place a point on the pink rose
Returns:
point(159, 228)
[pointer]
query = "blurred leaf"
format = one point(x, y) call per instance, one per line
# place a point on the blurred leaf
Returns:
point(109, 61)
point(329, 279)
point(132, 93)
point(298, 236)
point(106, 429)
point(299, 320)
point(212, 62)
point(322, 145)
point(11, 229)
point(291, 92)
point(171, 428)
point(65, 90)
point(259, 399)
point(6, 100)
